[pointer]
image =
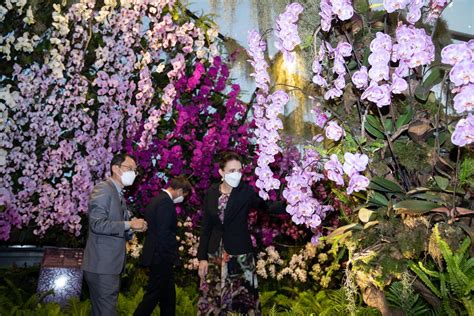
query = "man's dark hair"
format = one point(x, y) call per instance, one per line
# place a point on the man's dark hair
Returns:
point(227, 156)
point(118, 159)
point(181, 182)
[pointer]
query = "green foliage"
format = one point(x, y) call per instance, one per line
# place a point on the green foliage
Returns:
point(22, 306)
point(423, 90)
point(402, 296)
point(414, 206)
point(323, 303)
point(453, 283)
point(186, 301)
point(79, 308)
point(127, 304)
point(384, 185)
point(466, 172)
point(412, 156)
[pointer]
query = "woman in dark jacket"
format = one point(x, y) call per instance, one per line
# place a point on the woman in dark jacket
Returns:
point(225, 253)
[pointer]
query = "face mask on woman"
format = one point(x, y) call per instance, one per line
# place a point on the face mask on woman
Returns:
point(233, 178)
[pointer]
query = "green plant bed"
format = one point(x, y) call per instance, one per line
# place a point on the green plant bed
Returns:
point(18, 297)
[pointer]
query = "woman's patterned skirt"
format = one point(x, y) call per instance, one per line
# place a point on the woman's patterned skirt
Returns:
point(230, 286)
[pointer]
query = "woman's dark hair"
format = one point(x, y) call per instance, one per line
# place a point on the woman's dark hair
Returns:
point(119, 158)
point(181, 182)
point(227, 156)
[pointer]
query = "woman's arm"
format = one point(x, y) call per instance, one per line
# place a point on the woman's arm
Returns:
point(273, 207)
point(206, 229)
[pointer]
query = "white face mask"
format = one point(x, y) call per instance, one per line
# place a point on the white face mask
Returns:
point(233, 179)
point(179, 199)
point(127, 178)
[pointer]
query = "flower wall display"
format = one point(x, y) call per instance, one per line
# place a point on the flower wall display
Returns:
point(140, 77)
point(108, 81)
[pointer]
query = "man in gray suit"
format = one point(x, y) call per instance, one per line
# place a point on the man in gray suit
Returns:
point(109, 227)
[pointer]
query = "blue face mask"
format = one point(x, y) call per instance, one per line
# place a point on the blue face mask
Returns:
point(233, 179)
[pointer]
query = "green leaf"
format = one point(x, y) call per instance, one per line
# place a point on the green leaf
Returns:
point(405, 118)
point(307, 42)
point(428, 197)
point(423, 90)
point(389, 125)
point(382, 184)
point(366, 215)
point(374, 122)
point(370, 224)
point(441, 182)
point(361, 6)
point(435, 77)
point(343, 229)
point(424, 277)
point(443, 137)
point(367, 53)
point(374, 132)
point(352, 65)
point(378, 199)
point(414, 207)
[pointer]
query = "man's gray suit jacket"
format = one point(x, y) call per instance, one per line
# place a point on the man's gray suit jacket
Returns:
point(105, 248)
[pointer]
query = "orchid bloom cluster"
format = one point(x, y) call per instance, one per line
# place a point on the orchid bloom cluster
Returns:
point(308, 261)
point(24, 43)
point(286, 30)
point(461, 58)
point(353, 165)
point(134, 247)
point(414, 8)
point(267, 262)
point(189, 244)
point(266, 113)
point(298, 265)
point(332, 129)
point(329, 9)
point(303, 207)
point(413, 48)
point(343, 50)
point(66, 116)
point(436, 7)
point(268, 107)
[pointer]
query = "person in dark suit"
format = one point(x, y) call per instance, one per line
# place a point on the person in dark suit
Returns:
point(109, 227)
point(160, 251)
point(225, 253)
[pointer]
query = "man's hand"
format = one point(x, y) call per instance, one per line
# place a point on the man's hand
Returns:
point(203, 264)
point(138, 224)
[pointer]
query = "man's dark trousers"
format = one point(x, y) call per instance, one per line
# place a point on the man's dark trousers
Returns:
point(160, 289)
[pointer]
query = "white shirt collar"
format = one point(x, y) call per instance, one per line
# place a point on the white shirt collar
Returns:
point(171, 197)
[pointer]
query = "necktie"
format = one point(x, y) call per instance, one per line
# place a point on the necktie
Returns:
point(124, 207)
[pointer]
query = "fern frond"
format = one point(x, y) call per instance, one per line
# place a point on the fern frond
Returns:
point(447, 308)
point(443, 287)
point(431, 273)
point(466, 243)
point(15, 291)
point(467, 265)
point(456, 278)
point(468, 303)
point(424, 278)
point(410, 305)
